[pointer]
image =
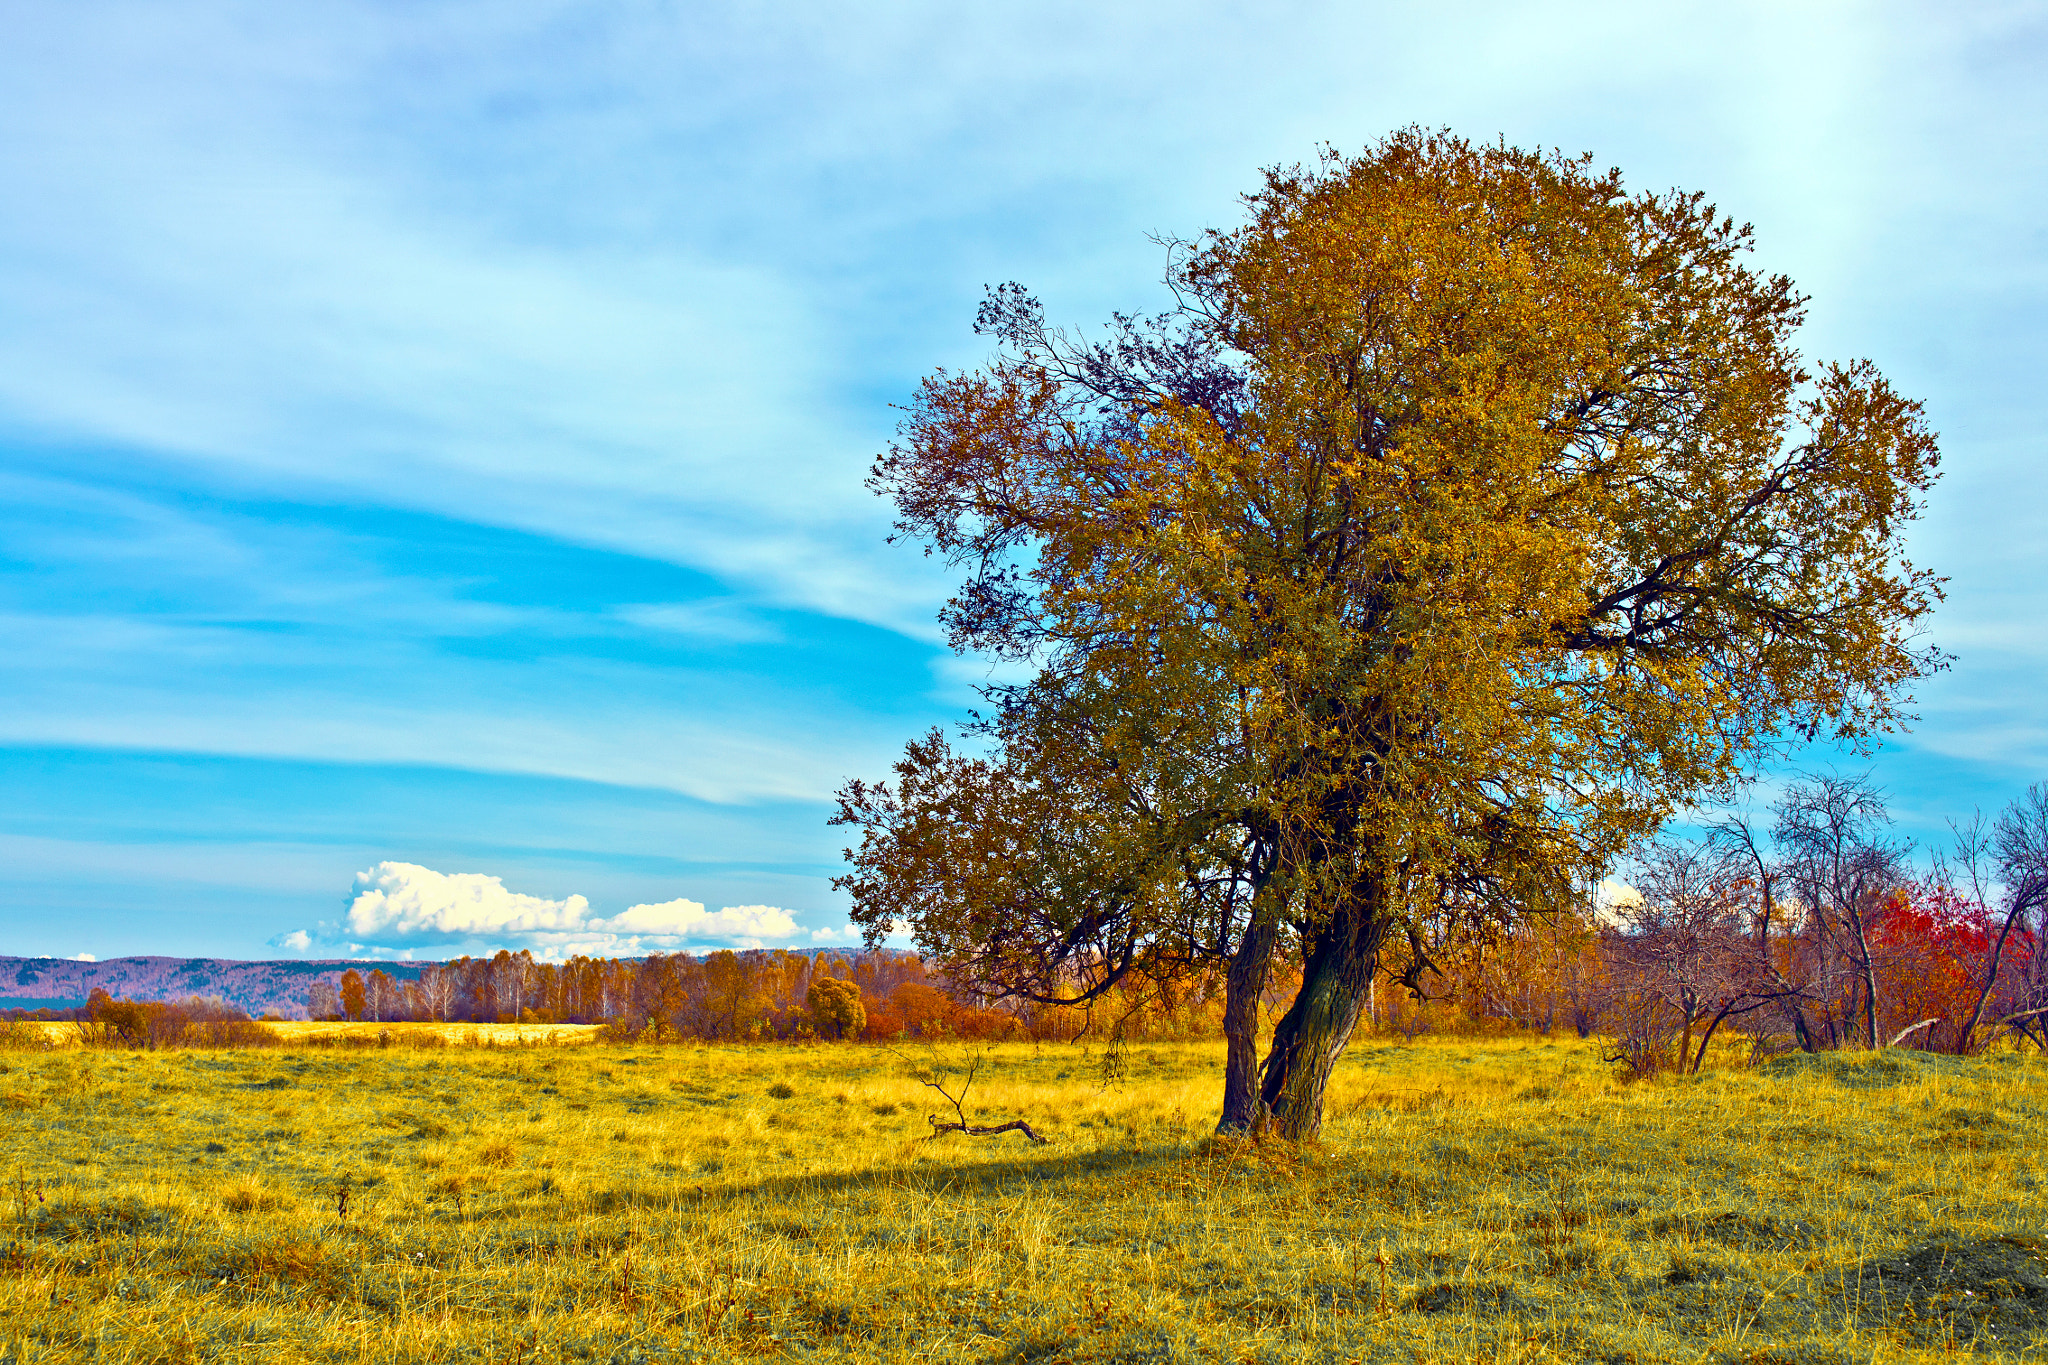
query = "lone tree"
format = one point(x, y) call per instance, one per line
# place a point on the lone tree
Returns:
point(1465, 516)
point(354, 997)
point(835, 1007)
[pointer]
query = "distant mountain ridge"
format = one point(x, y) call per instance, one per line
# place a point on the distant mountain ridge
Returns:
point(257, 987)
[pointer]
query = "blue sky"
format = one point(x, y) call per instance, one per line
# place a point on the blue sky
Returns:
point(431, 435)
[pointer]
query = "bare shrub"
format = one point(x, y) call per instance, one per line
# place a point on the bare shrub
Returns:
point(1679, 960)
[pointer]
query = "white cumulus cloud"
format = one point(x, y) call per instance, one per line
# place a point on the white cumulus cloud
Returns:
point(1614, 900)
point(407, 901)
point(396, 907)
point(736, 924)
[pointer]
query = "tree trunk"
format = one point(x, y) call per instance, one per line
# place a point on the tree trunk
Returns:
point(1799, 1027)
point(1313, 1033)
point(1249, 970)
point(1700, 1057)
point(1687, 1011)
point(2019, 902)
point(1868, 971)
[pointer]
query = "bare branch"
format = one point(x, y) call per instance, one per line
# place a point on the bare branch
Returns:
point(933, 1077)
point(1013, 1126)
point(1904, 1033)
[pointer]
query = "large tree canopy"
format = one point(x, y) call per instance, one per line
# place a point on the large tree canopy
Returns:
point(1466, 516)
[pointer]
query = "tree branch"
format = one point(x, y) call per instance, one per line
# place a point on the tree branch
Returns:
point(1902, 1034)
point(1013, 1126)
point(931, 1077)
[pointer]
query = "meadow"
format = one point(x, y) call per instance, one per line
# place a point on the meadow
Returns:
point(1471, 1200)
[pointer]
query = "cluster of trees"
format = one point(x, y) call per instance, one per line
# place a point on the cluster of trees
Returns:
point(725, 996)
point(1815, 927)
point(141, 1024)
point(1808, 928)
point(1805, 928)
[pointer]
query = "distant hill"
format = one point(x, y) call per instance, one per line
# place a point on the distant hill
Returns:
point(258, 987)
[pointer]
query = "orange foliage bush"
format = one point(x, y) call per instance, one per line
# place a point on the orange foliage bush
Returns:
point(144, 1024)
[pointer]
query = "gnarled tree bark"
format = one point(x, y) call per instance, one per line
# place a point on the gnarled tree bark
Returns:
point(1250, 968)
point(1313, 1034)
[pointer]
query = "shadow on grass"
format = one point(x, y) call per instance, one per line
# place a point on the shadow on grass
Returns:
point(1205, 1164)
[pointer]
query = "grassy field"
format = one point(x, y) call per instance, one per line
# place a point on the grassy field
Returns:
point(1471, 1201)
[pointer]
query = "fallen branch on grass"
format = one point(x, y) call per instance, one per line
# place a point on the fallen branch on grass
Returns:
point(1013, 1126)
point(933, 1076)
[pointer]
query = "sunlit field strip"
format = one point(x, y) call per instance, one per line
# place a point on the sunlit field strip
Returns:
point(486, 1035)
point(58, 1033)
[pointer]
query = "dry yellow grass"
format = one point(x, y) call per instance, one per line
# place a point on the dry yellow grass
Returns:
point(474, 1035)
point(1473, 1201)
point(35, 1032)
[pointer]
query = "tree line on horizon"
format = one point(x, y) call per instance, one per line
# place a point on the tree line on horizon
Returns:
point(759, 995)
point(1807, 928)
point(727, 995)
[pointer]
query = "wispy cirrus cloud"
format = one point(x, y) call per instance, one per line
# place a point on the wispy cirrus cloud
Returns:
point(715, 619)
